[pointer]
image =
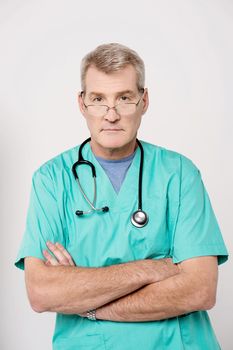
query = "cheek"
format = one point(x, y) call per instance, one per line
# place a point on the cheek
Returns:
point(92, 124)
point(133, 124)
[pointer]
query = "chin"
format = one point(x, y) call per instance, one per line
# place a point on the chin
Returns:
point(112, 141)
point(112, 144)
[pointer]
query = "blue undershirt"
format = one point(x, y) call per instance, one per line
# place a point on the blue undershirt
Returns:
point(116, 169)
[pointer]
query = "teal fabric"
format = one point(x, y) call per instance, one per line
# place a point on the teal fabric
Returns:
point(181, 225)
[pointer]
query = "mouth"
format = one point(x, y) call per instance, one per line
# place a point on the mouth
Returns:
point(112, 129)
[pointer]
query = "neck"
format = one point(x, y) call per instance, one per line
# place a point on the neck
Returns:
point(113, 153)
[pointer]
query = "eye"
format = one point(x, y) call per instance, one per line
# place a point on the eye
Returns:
point(97, 99)
point(124, 98)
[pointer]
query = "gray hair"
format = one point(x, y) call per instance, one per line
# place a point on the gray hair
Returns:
point(113, 57)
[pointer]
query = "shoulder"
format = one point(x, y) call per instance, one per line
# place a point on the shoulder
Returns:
point(169, 159)
point(57, 164)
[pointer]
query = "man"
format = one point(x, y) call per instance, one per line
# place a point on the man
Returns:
point(113, 282)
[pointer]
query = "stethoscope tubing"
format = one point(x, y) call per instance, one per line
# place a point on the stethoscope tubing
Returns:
point(139, 218)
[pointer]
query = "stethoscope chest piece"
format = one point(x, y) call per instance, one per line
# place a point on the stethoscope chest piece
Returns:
point(139, 218)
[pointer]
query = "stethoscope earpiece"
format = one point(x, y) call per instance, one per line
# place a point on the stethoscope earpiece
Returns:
point(139, 218)
point(81, 212)
point(105, 209)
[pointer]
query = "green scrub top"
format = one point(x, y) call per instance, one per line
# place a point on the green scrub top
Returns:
point(182, 225)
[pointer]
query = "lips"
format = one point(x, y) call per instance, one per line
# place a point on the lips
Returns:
point(111, 129)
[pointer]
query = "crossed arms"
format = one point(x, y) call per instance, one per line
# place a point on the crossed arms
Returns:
point(142, 290)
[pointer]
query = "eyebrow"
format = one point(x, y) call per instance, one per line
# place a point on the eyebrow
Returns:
point(124, 92)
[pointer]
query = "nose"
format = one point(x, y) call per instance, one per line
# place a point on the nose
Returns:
point(112, 115)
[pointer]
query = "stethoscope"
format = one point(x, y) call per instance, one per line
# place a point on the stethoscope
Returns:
point(139, 218)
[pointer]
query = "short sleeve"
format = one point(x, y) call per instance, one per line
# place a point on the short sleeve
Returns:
point(43, 221)
point(197, 232)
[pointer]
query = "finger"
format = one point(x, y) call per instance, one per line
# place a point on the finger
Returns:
point(65, 253)
point(50, 259)
point(62, 259)
point(47, 263)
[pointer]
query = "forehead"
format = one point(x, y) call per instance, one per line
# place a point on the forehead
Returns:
point(110, 83)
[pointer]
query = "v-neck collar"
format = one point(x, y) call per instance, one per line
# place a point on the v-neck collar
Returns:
point(106, 195)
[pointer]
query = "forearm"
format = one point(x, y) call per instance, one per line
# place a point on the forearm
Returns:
point(71, 289)
point(172, 297)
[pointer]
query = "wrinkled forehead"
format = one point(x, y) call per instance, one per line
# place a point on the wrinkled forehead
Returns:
point(111, 83)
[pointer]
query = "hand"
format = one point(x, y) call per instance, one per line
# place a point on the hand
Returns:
point(62, 257)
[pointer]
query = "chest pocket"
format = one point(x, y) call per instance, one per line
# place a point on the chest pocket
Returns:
point(152, 240)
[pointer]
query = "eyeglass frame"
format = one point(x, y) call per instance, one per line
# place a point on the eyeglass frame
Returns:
point(114, 107)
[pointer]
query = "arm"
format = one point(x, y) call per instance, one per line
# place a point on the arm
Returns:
point(73, 289)
point(193, 289)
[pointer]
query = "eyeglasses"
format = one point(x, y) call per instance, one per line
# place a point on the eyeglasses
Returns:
point(122, 108)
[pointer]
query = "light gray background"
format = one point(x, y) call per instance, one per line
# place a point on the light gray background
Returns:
point(188, 52)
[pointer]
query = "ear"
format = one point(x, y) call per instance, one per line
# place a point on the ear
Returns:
point(81, 104)
point(145, 101)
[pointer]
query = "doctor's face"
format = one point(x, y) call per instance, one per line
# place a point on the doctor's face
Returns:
point(113, 130)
